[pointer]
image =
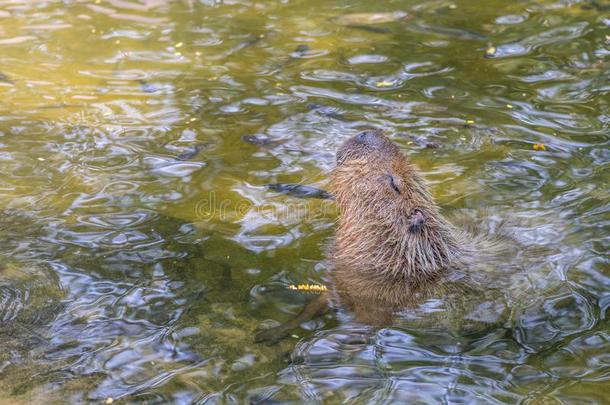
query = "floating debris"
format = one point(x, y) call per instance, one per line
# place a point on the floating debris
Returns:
point(433, 145)
point(509, 106)
point(490, 51)
point(261, 140)
point(469, 122)
point(384, 83)
point(300, 191)
point(539, 147)
point(308, 287)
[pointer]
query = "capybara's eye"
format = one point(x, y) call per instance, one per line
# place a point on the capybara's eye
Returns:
point(393, 184)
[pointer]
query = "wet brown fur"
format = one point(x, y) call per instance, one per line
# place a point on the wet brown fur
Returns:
point(393, 248)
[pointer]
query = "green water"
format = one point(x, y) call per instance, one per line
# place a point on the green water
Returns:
point(141, 250)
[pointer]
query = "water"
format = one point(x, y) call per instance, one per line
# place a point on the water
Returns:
point(141, 250)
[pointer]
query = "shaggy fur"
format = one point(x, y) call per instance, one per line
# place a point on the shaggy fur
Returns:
point(393, 248)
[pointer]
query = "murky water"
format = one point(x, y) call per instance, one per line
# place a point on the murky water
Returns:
point(141, 249)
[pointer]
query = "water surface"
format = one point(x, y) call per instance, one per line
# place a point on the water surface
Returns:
point(141, 250)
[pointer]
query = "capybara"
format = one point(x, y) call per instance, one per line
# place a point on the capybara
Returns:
point(393, 249)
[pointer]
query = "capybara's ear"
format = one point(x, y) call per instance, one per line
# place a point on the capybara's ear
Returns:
point(394, 183)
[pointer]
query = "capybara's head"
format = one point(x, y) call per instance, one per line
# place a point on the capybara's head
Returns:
point(388, 219)
point(371, 144)
point(371, 170)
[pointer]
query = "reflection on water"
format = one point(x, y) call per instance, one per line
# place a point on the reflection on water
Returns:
point(142, 249)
